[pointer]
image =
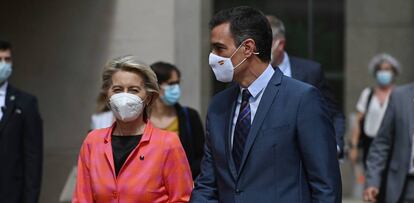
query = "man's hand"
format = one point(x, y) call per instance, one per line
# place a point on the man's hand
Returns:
point(370, 194)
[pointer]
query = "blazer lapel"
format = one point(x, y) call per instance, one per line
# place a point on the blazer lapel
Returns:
point(10, 101)
point(108, 150)
point(228, 128)
point(266, 102)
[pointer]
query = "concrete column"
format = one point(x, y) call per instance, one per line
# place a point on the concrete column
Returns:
point(372, 27)
point(62, 46)
point(192, 37)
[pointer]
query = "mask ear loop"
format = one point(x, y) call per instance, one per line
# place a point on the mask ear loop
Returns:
point(236, 50)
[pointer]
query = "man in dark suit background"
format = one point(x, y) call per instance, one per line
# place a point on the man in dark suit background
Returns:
point(306, 71)
point(269, 138)
point(21, 138)
point(390, 162)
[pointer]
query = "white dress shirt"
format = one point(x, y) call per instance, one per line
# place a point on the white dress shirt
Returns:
point(285, 65)
point(3, 90)
point(256, 89)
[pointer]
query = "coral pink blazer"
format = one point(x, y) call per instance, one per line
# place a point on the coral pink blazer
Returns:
point(157, 170)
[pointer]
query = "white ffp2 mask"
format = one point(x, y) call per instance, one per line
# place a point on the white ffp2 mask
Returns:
point(125, 106)
point(223, 67)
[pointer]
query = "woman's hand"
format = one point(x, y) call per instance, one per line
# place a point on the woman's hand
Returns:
point(353, 155)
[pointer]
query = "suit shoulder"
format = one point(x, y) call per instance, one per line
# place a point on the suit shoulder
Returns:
point(297, 85)
point(307, 64)
point(403, 89)
point(23, 95)
point(170, 139)
point(223, 95)
point(96, 135)
point(305, 61)
point(191, 111)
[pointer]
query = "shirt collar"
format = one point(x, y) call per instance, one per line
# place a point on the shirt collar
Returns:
point(3, 88)
point(284, 66)
point(261, 82)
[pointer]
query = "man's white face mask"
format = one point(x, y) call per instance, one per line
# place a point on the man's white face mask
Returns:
point(223, 67)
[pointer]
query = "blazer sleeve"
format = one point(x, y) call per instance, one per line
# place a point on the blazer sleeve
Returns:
point(205, 185)
point(33, 152)
point(318, 148)
point(176, 171)
point(198, 140)
point(381, 146)
point(83, 190)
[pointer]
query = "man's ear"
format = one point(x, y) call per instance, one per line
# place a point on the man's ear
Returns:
point(282, 45)
point(249, 48)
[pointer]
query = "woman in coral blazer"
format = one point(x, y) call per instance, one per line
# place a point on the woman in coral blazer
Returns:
point(132, 161)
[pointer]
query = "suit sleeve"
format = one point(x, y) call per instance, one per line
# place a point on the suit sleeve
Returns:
point(176, 171)
point(336, 113)
point(381, 146)
point(318, 148)
point(205, 185)
point(33, 152)
point(198, 141)
point(83, 189)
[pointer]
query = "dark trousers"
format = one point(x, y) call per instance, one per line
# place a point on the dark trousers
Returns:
point(408, 194)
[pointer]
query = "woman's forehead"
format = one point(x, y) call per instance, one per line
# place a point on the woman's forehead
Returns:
point(127, 78)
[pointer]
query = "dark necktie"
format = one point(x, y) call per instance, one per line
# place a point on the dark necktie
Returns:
point(242, 128)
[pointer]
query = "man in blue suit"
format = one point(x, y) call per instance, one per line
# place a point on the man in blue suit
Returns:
point(269, 138)
point(306, 71)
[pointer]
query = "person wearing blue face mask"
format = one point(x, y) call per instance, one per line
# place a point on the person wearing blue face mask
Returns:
point(169, 115)
point(372, 104)
point(21, 132)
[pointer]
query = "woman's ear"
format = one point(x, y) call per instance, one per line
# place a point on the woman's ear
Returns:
point(148, 100)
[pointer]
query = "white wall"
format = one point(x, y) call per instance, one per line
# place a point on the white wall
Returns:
point(61, 47)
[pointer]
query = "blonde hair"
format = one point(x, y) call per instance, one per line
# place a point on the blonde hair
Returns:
point(130, 64)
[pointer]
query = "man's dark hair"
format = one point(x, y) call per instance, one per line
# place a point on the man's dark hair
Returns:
point(5, 45)
point(246, 22)
point(164, 71)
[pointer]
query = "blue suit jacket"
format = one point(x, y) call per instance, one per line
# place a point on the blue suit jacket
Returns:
point(311, 72)
point(290, 152)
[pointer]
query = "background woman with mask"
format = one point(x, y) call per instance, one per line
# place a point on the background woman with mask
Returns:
point(132, 161)
point(372, 104)
point(169, 115)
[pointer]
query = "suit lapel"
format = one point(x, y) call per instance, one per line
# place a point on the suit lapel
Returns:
point(228, 128)
point(266, 102)
point(10, 101)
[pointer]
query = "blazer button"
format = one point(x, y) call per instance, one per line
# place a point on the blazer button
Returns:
point(115, 195)
point(237, 191)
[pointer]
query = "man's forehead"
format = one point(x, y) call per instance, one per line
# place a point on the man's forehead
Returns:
point(221, 34)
